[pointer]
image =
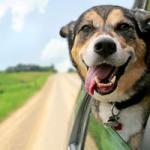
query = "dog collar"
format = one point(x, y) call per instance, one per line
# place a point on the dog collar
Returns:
point(114, 119)
point(135, 99)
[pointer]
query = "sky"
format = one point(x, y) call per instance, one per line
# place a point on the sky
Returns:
point(29, 30)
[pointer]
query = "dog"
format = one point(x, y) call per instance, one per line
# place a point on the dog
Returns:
point(110, 48)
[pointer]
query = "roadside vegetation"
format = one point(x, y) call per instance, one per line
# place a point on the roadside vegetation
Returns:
point(17, 87)
point(71, 70)
point(30, 67)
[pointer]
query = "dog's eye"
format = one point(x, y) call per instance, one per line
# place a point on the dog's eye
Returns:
point(124, 26)
point(86, 29)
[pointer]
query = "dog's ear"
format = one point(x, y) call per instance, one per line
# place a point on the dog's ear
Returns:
point(143, 20)
point(65, 30)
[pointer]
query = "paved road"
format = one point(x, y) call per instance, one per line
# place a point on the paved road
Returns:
point(44, 122)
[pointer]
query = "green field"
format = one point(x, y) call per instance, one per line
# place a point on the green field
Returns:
point(16, 88)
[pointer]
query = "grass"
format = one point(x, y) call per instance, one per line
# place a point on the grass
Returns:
point(16, 88)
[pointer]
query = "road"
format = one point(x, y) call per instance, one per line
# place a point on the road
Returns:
point(44, 122)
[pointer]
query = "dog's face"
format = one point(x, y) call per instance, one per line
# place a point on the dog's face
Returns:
point(108, 49)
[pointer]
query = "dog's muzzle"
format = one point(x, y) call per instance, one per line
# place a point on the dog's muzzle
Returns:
point(106, 62)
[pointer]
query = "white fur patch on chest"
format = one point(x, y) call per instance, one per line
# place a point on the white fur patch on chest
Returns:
point(131, 118)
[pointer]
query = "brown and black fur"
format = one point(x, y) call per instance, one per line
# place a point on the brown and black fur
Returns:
point(136, 34)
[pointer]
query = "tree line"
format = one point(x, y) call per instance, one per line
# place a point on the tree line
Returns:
point(30, 67)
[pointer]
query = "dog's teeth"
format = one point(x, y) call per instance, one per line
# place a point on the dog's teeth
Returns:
point(105, 85)
point(113, 80)
point(109, 84)
point(97, 80)
point(114, 72)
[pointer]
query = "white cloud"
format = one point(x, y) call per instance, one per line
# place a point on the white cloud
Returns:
point(20, 9)
point(56, 52)
point(3, 10)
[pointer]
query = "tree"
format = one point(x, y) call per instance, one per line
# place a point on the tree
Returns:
point(70, 70)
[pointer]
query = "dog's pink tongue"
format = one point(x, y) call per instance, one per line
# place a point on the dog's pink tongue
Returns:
point(101, 72)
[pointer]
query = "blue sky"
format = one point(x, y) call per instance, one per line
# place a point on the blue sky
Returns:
point(29, 30)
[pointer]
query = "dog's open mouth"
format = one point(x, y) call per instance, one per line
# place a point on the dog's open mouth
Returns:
point(103, 78)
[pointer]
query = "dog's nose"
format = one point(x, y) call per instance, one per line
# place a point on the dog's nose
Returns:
point(105, 47)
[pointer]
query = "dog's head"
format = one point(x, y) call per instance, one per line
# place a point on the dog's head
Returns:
point(109, 47)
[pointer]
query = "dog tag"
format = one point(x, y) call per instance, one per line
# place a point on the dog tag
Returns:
point(113, 121)
point(113, 118)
